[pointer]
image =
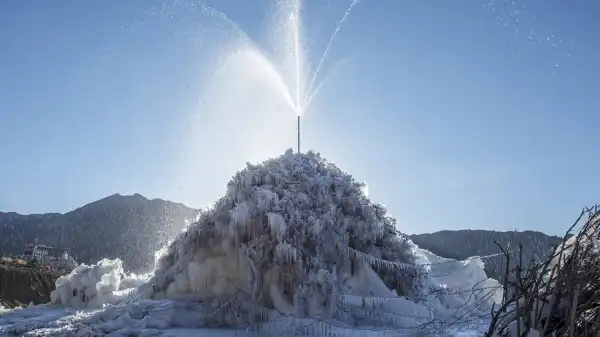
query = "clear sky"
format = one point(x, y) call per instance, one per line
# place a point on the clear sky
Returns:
point(457, 115)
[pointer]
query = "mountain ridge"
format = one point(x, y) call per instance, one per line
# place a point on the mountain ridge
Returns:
point(462, 244)
point(132, 227)
point(112, 196)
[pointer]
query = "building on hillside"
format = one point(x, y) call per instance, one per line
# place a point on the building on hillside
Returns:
point(42, 252)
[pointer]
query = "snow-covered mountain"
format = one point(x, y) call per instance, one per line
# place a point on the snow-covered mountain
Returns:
point(130, 227)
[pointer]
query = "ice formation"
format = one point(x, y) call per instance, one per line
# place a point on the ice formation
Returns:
point(93, 286)
point(294, 239)
point(293, 235)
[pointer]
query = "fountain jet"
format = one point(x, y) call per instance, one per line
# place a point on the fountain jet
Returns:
point(284, 62)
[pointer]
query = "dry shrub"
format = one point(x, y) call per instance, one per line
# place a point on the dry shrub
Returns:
point(559, 296)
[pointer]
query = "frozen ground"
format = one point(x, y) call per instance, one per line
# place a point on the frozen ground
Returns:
point(295, 247)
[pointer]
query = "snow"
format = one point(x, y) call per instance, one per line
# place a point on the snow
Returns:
point(466, 284)
point(294, 245)
point(512, 330)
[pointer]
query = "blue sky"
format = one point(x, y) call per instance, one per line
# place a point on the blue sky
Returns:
point(457, 115)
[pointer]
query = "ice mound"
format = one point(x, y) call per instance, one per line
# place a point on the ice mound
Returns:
point(296, 236)
point(93, 286)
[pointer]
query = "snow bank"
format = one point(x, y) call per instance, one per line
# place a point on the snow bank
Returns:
point(93, 286)
point(462, 286)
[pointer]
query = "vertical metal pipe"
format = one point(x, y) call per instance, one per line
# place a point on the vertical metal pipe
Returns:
point(298, 133)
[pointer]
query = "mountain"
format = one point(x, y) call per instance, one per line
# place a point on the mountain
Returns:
point(133, 227)
point(462, 244)
point(130, 227)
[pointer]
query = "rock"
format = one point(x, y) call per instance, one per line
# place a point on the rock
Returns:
point(22, 284)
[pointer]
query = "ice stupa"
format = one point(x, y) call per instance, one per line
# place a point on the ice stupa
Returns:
point(293, 235)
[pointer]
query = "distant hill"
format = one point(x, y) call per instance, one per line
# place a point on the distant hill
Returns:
point(133, 227)
point(130, 227)
point(462, 244)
